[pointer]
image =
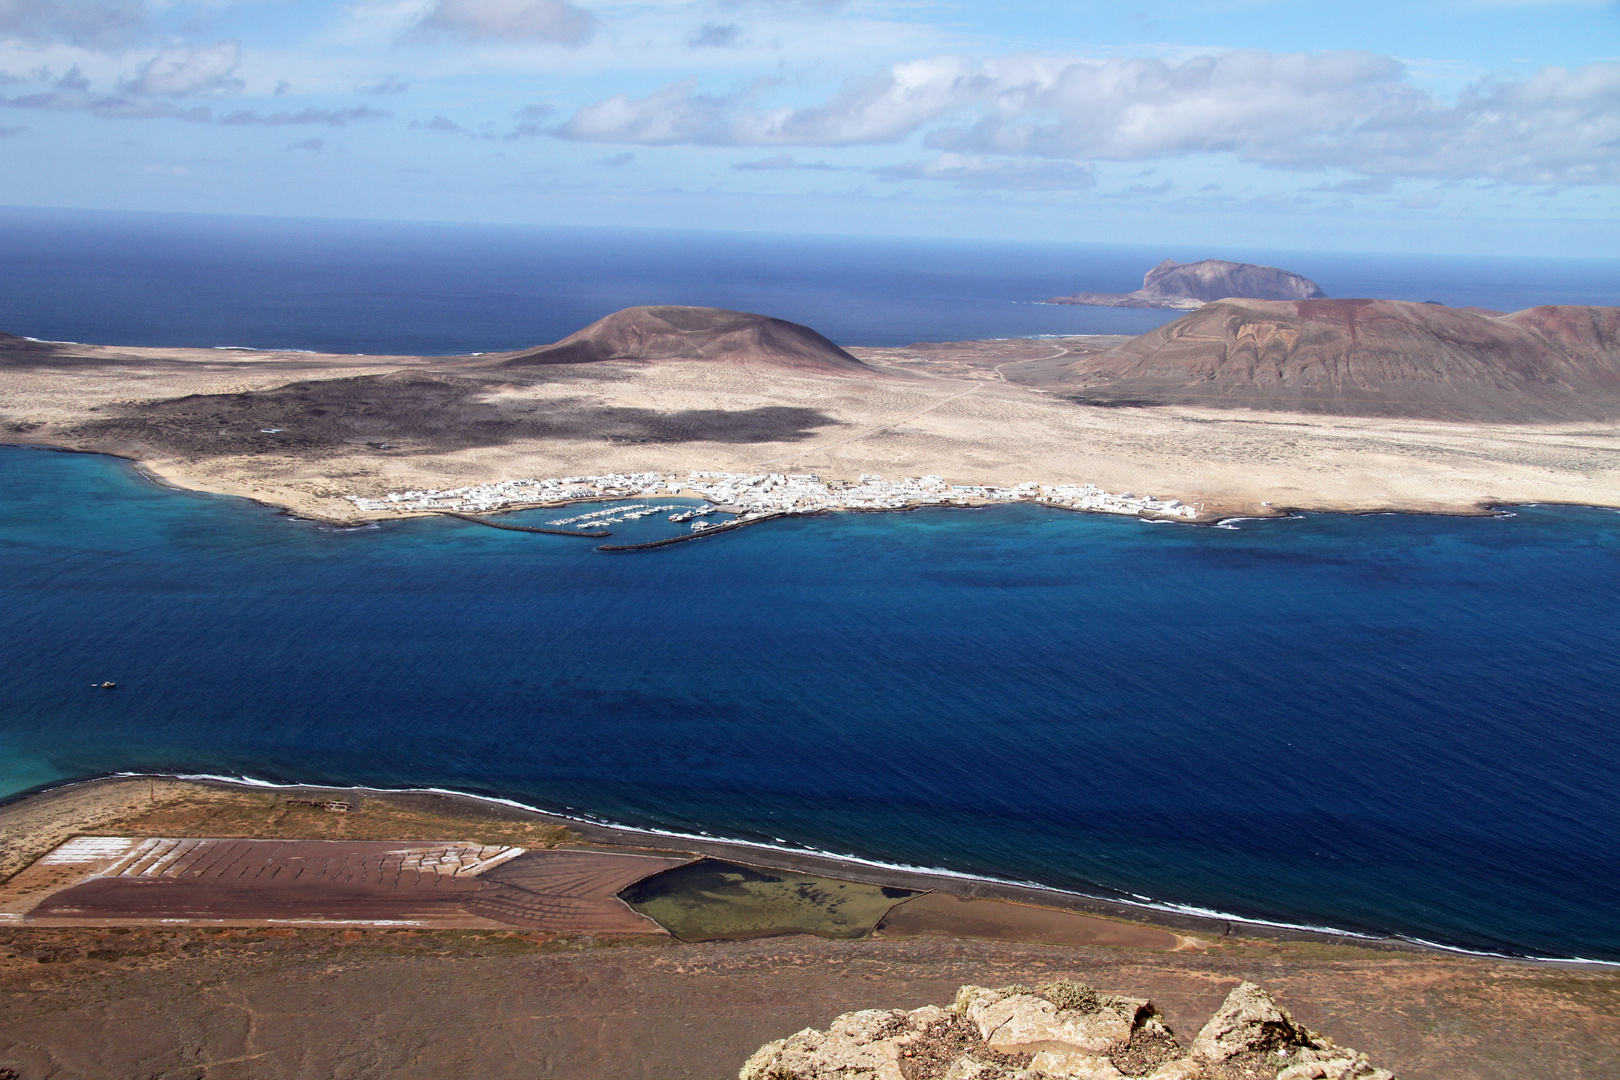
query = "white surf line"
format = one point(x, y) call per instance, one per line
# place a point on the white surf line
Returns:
point(785, 847)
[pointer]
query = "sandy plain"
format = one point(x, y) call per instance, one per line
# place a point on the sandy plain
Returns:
point(980, 412)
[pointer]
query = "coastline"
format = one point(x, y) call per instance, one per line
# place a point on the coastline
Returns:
point(1184, 919)
point(1216, 517)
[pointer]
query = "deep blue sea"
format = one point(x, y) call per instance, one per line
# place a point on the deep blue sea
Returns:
point(1389, 723)
point(381, 287)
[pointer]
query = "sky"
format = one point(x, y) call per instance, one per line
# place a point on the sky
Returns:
point(1455, 126)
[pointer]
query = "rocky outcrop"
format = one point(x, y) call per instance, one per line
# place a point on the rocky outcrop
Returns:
point(1250, 1028)
point(1061, 1031)
point(1061, 1020)
point(1370, 358)
point(1190, 285)
point(696, 333)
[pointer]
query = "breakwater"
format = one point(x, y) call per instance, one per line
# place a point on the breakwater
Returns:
point(684, 537)
point(597, 535)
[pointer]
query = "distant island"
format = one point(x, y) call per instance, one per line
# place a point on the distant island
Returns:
point(1185, 286)
point(1242, 406)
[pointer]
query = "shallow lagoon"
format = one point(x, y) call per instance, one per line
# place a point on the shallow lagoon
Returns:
point(1383, 723)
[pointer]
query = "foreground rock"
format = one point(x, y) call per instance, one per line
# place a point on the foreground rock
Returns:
point(696, 333)
point(1191, 285)
point(1060, 1030)
point(1370, 358)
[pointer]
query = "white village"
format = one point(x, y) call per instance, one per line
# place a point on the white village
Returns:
point(756, 496)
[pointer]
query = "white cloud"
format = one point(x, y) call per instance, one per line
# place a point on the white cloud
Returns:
point(785, 162)
point(1349, 110)
point(95, 24)
point(151, 91)
point(552, 22)
point(878, 110)
point(1136, 109)
point(323, 117)
point(73, 92)
point(977, 171)
point(390, 85)
point(186, 71)
point(776, 163)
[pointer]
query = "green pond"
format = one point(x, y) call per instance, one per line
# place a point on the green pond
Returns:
point(714, 900)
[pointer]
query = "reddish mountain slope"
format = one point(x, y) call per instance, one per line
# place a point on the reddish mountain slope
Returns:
point(1371, 357)
point(696, 333)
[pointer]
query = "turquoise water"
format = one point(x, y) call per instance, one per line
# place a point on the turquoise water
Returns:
point(1385, 724)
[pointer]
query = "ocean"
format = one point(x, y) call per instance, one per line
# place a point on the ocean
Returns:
point(1379, 724)
point(378, 287)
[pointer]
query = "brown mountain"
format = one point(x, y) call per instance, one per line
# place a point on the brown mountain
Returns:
point(1191, 285)
point(696, 333)
point(1370, 357)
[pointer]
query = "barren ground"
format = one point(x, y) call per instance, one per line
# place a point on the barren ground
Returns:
point(321, 1004)
point(970, 411)
point(187, 1002)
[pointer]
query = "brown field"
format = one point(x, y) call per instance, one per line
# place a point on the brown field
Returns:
point(181, 1002)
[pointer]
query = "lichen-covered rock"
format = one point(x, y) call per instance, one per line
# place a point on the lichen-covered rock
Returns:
point(969, 1067)
point(1249, 1021)
point(1183, 1068)
point(1072, 1064)
point(1015, 1018)
point(863, 1045)
point(1334, 1063)
point(1060, 1031)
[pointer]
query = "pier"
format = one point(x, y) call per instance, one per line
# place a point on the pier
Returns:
point(684, 537)
point(475, 519)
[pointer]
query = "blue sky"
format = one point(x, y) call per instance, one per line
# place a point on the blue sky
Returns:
point(1487, 126)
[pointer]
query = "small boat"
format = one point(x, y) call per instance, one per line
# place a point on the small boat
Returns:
point(104, 685)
